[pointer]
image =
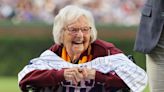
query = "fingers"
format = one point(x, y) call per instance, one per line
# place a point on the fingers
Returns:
point(84, 72)
point(73, 75)
point(89, 73)
point(77, 74)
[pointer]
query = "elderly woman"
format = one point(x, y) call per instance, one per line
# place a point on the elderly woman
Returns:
point(78, 62)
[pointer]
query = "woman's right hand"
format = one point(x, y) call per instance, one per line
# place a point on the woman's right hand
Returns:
point(72, 74)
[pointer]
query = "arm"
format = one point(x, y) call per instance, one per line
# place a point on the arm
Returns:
point(132, 75)
point(42, 78)
point(49, 78)
point(111, 80)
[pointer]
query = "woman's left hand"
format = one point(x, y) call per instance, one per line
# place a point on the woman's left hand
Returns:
point(88, 73)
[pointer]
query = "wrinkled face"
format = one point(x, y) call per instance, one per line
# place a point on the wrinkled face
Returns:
point(76, 36)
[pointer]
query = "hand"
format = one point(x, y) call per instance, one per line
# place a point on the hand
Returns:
point(88, 73)
point(72, 74)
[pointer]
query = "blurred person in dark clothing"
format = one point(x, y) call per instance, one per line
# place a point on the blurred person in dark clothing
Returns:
point(150, 41)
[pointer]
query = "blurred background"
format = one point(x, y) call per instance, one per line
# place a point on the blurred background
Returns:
point(26, 30)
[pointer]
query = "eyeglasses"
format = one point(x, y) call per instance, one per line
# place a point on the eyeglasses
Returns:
point(73, 31)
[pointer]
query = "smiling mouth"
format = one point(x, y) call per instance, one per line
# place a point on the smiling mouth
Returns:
point(74, 42)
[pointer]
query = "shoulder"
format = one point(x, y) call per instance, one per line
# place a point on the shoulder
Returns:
point(103, 44)
point(56, 49)
point(103, 48)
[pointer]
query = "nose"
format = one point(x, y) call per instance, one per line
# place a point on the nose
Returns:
point(80, 33)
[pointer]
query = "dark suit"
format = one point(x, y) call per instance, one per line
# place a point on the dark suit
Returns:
point(151, 26)
point(150, 41)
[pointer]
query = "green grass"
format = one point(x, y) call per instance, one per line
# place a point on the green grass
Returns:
point(10, 84)
point(146, 89)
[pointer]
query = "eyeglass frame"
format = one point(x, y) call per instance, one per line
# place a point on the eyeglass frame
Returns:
point(76, 31)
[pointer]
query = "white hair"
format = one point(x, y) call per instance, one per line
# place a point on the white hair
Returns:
point(70, 14)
